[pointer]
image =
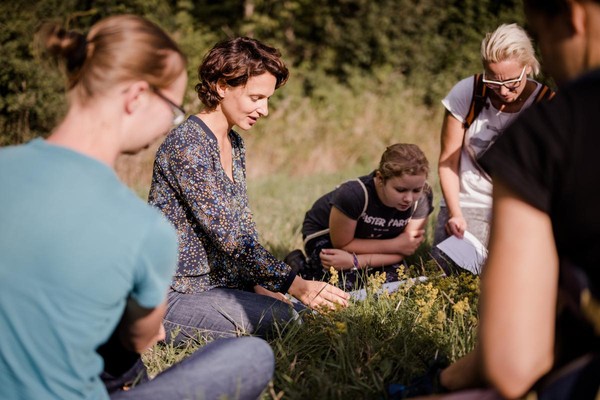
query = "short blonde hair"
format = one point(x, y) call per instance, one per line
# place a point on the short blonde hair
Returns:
point(509, 42)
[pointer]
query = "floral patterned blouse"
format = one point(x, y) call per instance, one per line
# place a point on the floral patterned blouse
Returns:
point(218, 241)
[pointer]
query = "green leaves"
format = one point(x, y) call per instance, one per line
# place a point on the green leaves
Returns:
point(429, 43)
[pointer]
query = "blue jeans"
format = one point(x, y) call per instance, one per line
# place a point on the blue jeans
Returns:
point(234, 368)
point(222, 312)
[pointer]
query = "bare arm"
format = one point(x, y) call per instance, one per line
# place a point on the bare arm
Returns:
point(342, 229)
point(518, 298)
point(142, 327)
point(518, 295)
point(448, 170)
point(342, 260)
point(416, 224)
point(464, 373)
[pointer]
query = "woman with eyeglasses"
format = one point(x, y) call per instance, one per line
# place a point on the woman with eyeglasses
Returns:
point(539, 328)
point(84, 262)
point(226, 283)
point(508, 60)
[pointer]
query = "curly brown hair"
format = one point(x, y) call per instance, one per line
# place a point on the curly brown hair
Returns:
point(234, 61)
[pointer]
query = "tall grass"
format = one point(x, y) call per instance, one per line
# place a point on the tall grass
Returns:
point(305, 148)
point(338, 130)
point(356, 352)
point(339, 127)
point(279, 203)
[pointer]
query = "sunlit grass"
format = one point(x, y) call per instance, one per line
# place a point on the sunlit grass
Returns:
point(304, 149)
point(354, 353)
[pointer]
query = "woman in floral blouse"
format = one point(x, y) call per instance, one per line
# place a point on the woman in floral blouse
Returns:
point(226, 282)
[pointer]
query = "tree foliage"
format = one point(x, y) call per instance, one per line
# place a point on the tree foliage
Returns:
point(429, 43)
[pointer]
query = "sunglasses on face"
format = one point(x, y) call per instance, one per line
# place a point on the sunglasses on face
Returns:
point(178, 111)
point(511, 84)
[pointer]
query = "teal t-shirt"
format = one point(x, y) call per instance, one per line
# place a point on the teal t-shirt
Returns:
point(75, 243)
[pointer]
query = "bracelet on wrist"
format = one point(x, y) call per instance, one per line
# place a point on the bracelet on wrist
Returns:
point(355, 264)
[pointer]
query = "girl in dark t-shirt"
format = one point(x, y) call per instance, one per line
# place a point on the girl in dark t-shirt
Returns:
point(372, 222)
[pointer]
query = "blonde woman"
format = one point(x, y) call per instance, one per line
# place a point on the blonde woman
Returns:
point(508, 61)
point(539, 332)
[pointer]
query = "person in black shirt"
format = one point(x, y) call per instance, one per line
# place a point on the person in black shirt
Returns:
point(540, 307)
point(372, 222)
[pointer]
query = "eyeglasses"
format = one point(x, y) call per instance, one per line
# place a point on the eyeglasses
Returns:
point(178, 111)
point(511, 84)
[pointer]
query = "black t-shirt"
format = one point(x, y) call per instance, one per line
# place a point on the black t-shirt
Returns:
point(548, 156)
point(378, 220)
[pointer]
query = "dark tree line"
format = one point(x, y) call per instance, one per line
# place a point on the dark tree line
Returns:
point(429, 43)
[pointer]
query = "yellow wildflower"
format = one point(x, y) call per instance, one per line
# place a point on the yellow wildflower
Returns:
point(334, 277)
point(441, 317)
point(341, 327)
point(461, 306)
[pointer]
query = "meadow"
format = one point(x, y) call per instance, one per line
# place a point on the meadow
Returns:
point(303, 149)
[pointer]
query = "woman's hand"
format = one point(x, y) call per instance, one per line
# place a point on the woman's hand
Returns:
point(339, 259)
point(456, 226)
point(409, 241)
point(317, 294)
point(266, 292)
point(160, 336)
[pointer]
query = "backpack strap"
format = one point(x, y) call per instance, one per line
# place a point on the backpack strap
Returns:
point(480, 94)
point(364, 188)
point(477, 100)
point(545, 93)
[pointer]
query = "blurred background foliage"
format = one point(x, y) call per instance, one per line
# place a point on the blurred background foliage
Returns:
point(355, 45)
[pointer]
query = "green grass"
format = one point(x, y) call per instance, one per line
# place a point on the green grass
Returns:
point(279, 203)
point(304, 149)
point(354, 353)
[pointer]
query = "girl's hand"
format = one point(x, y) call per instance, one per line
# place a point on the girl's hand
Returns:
point(409, 241)
point(339, 259)
point(456, 226)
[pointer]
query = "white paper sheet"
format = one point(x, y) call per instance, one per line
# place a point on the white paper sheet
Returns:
point(468, 252)
point(389, 287)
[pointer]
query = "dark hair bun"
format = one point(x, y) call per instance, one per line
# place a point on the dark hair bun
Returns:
point(69, 47)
